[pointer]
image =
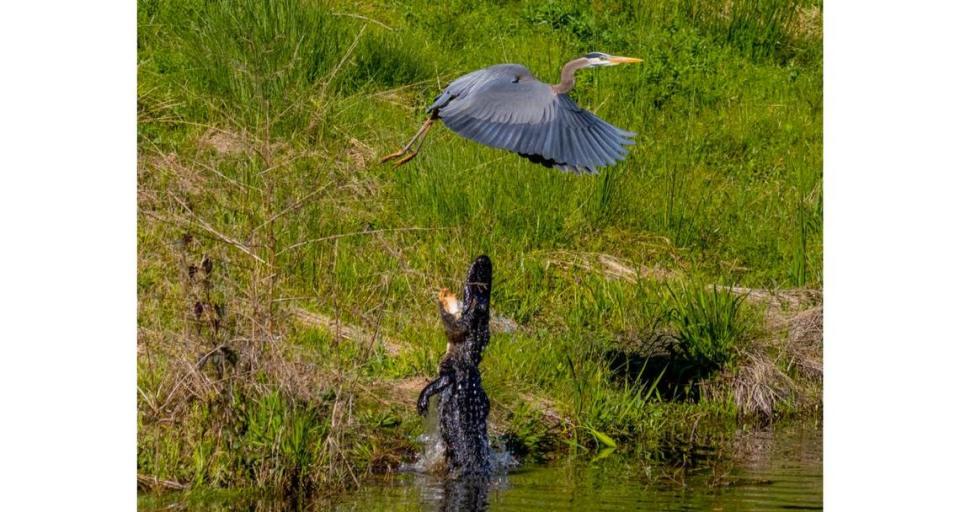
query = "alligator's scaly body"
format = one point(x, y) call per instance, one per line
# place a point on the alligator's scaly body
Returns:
point(463, 405)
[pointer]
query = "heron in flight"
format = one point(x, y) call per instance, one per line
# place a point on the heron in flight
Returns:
point(505, 106)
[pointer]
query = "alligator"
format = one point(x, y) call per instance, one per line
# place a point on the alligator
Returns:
point(463, 405)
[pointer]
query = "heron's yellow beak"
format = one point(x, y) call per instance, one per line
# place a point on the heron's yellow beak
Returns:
point(624, 60)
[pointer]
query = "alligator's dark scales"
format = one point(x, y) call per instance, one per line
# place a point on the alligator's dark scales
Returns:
point(463, 405)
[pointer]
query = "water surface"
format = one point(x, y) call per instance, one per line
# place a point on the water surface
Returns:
point(766, 470)
point(778, 469)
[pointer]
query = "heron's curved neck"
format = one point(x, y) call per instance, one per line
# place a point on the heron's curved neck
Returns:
point(566, 76)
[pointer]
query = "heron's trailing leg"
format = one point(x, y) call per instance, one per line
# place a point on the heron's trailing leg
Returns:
point(417, 139)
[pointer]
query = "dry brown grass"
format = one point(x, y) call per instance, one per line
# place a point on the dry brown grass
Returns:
point(804, 346)
point(360, 154)
point(789, 300)
point(807, 23)
point(783, 367)
point(757, 384)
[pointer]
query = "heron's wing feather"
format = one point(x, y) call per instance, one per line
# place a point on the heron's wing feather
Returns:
point(505, 107)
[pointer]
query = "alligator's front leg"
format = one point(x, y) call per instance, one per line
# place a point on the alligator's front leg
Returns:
point(423, 403)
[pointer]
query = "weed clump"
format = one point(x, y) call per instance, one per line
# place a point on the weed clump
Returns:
point(708, 324)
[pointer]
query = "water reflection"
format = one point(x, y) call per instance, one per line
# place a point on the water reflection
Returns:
point(778, 469)
point(765, 470)
point(465, 494)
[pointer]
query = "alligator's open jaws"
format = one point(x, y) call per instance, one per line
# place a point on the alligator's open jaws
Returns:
point(463, 405)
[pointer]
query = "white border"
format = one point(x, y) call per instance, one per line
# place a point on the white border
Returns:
point(67, 260)
point(891, 255)
point(68, 255)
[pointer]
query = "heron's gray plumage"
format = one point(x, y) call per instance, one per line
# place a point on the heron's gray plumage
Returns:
point(504, 106)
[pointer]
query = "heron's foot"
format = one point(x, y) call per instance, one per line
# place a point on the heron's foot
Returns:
point(391, 156)
point(406, 155)
point(406, 159)
point(412, 147)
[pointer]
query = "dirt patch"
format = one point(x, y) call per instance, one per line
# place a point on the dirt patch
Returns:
point(343, 331)
point(360, 154)
point(502, 324)
point(608, 265)
point(404, 391)
point(224, 142)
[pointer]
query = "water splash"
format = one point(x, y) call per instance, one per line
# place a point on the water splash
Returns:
point(432, 457)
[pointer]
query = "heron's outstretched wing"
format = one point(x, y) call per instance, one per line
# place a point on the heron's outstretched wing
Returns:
point(506, 107)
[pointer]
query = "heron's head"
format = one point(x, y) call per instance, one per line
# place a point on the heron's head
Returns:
point(598, 59)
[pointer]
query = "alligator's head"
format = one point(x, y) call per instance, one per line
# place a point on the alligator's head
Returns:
point(468, 321)
point(476, 288)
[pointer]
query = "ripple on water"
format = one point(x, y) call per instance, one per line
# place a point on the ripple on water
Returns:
point(780, 471)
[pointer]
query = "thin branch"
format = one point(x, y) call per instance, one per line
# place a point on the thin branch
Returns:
point(333, 74)
point(346, 56)
point(359, 17)
point(356, 233)
point(224, 238)
point(290, 208)
point(285, 162)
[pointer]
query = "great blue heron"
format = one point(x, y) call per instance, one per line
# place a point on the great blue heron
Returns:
point(505, 107)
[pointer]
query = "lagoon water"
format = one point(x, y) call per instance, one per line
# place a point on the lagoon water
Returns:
point(778, 469)
point(767, 470)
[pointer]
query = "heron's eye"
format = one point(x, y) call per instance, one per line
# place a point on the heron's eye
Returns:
point(516, 79)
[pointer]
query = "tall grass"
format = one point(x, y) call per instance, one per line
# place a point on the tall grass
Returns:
point(260, 124)
point(709, 323)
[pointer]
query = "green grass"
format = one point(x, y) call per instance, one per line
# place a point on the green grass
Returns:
point(723, 187)
point(708, 325)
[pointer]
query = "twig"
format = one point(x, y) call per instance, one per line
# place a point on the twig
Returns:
point(343, 59)
point(290, 208)
point(356, 233)
point(359, 17)
point(329, 79)
point(152, 482)
point(224, 238)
